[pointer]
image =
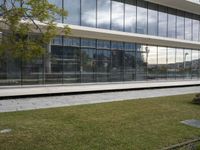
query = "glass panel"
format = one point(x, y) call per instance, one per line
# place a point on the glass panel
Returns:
point(129, 65)
point(33, 72)
point(171, 70)
point(54, 65)
point(179, 63)
point(117, 45)
point(152, 19)
point(171, 23)
point(129, 47)
point(141, 62)
point(188, 27)
point(58, 3)
point(88, 13)
point(88, 65)
point(195, 64)
point(88, 43)
point(195, 28)
point(187, 63)
point(103, 65)
point(73, 9)
point(117, 65)
point(180, 25)
point(71, 42)
point(103, 44)
point(162, 23)
point(142, 17)
point(130, 15)
point(162, 63)
point(103, 14)
point(117, 15)
point(71, 64)
point(152, 61)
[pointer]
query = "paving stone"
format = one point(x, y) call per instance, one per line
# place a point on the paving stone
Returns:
point(193, 123)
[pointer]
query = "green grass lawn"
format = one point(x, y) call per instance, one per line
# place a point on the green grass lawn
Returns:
point(139, 124)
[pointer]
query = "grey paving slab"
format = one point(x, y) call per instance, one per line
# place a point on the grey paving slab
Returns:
point(193, 123)
point(70, 100)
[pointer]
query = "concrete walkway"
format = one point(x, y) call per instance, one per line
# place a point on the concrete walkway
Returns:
point(25, 91)
point(70, 100)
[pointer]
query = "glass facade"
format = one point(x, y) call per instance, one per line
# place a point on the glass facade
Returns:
point(78, 60)
point(81, 60)
point(134, 16)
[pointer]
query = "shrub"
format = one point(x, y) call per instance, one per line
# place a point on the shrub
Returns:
point(196, 100)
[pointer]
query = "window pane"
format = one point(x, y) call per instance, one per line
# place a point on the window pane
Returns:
point(179, 63)
point(58, 3)
point(172, 23)
point(117, 15)
point(195, 63)
point(130, 16)
point(103, 14)
point(54, 65)
point(152, 62)
point(171, 70)
point(141, 62)
point(88, 13)
point(32, 72)
point(141, 17)
point(162, 62)
point(187, 63)
point(188, 27)
point(88, 65)
point(103, 65)
point(180, 25)
point(71, 64)
point(152, 19)
point(117, 65)
point(73, 9)
point(162, 23)
point(195, 28)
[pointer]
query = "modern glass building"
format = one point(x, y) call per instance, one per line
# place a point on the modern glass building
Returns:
point(116, 41)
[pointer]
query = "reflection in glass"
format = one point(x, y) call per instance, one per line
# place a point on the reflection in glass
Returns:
point(117, 15)
point(58, 3)
point(195, 28)
point(187, 63)
point(103, 14)
point(103, 65)
point(188, 27)
point(171, 69)
point(88, 13)
point(71, 64)
point(88, 65)
point(54, 65)
point(152, 19)
point(141, 62)
point(141, 17)
point(179, 63)
point(171, 23)
point(195, 64)
point(152, 60)
point(130, 15)
point(73, 9)
point(162, 63)
point(117, 65)
point(180, 25)
point(162, 21)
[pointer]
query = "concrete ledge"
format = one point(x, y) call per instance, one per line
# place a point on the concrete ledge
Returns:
point(25, 91)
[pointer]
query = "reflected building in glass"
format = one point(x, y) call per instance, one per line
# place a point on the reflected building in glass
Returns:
point(116, 41)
